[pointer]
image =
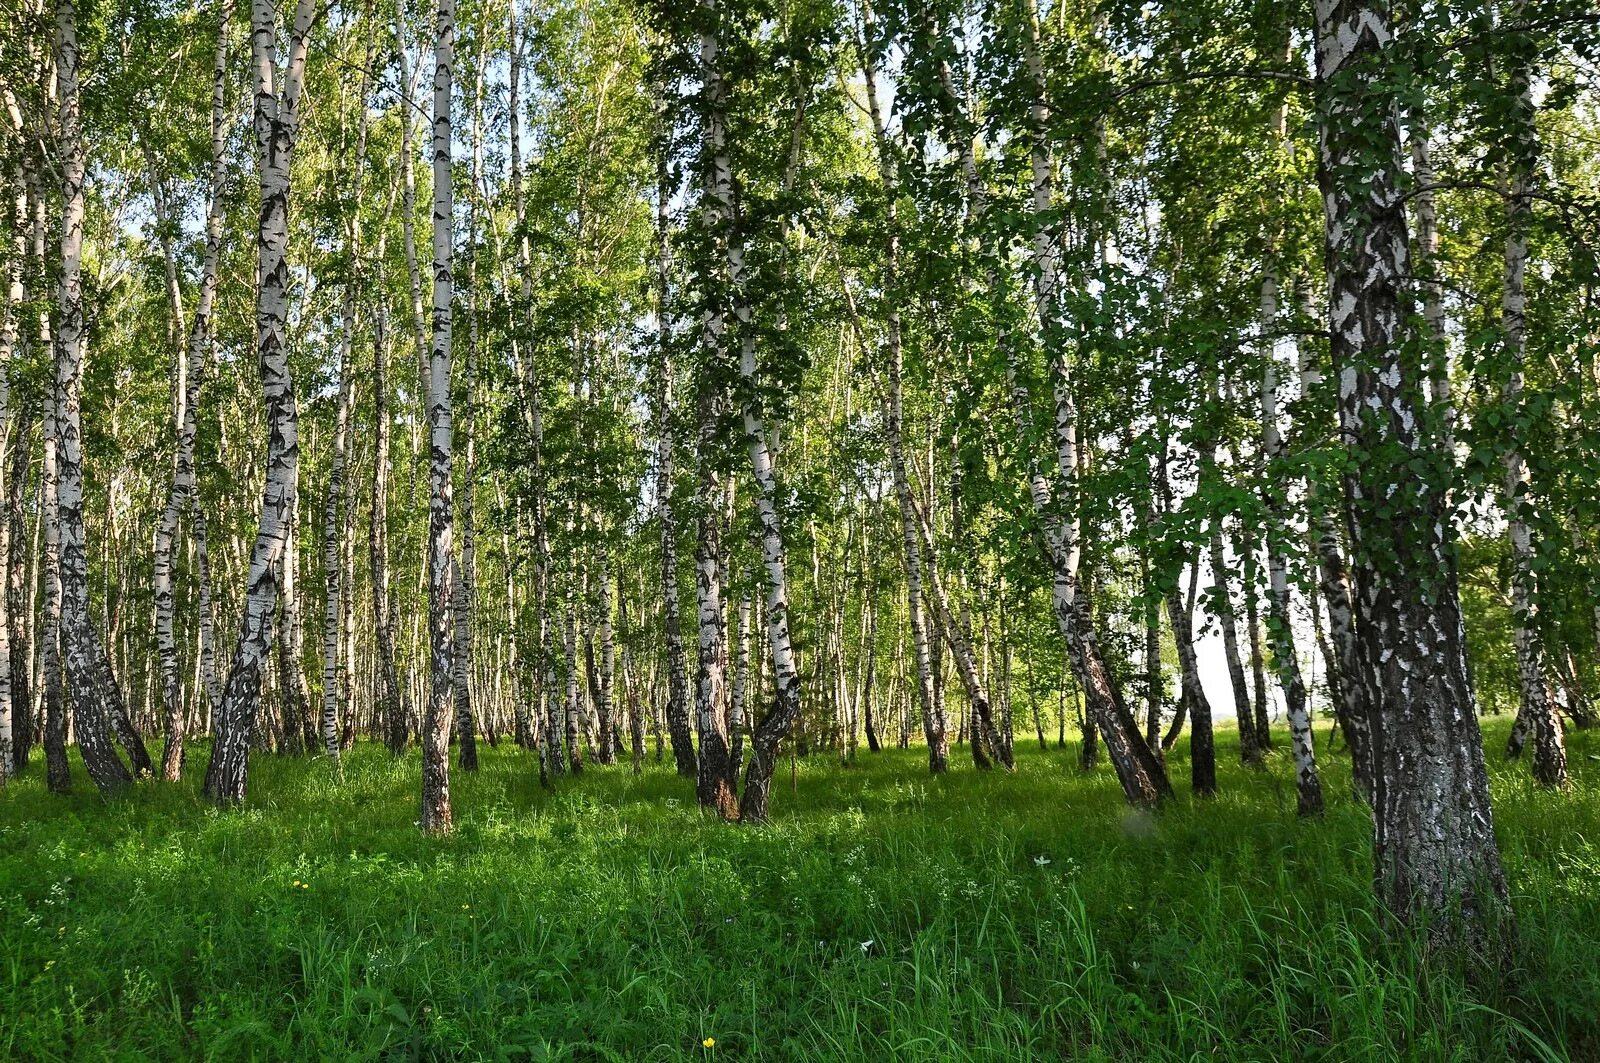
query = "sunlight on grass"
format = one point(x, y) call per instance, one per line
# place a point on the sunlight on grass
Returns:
point(883, 914)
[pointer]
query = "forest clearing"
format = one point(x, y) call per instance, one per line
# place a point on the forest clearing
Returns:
point(850, 529)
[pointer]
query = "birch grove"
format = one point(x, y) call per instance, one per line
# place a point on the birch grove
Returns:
point(1168, 382)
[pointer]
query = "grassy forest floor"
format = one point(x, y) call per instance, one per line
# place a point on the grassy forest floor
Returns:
point(882, 915)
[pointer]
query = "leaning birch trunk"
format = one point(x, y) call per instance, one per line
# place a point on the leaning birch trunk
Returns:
point(1143, 779)
point(1436, 860)
point(182, 491)
point(1280, 633)
point(276, 125)
point(1180, 616)
point(96, 698)
point(441, 552)
point(934, 727)
point(1538, 707)
point(958, 636)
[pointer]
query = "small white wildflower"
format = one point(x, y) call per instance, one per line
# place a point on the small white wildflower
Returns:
point(867, 944)
point(1041, 860)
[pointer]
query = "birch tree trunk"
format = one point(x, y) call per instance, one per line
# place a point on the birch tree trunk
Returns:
point(300, 730)
point(683, 750)
point(276, 126)
point(58, 776)
point(97, 700)
point(629, 680)
point(1244, 547)
point(934, 726)
point(1143, 779)
point(572, 711)
point(441, 550)
point(1352, 696)
point(780, 718)
point(20, 581)
point(338, 596)
point(1193, 693)
point(958, 636)
point(1538, 707)
point(466, 584)
point(1435, 853)
point(1426, 243)
point(1202, 746)
point(12, 719)
point(715, 782)
point(1280, 633)
point(605, 703)
point(388, 708)
point(192, 365)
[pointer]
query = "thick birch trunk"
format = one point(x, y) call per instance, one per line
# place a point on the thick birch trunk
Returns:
point(276, 125)
point(715, 783)
point(781, 717)
point(1435, 852)
point(97, 700)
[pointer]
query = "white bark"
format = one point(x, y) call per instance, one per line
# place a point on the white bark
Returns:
point(97, 700)
point(1280, 633)
point(191, 371)
point(277, 122)
point(1538, 702)
point(934, 727)
point(441, 551)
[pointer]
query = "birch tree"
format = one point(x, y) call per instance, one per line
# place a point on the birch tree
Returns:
point(441, 550)
point(1434, 844)
point(277, 125)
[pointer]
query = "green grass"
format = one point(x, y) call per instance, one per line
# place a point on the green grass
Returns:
point(881, 915)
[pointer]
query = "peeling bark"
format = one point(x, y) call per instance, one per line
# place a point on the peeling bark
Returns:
point(1435, 853)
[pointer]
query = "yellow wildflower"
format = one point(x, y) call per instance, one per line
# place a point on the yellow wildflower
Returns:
point(709, 1042)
